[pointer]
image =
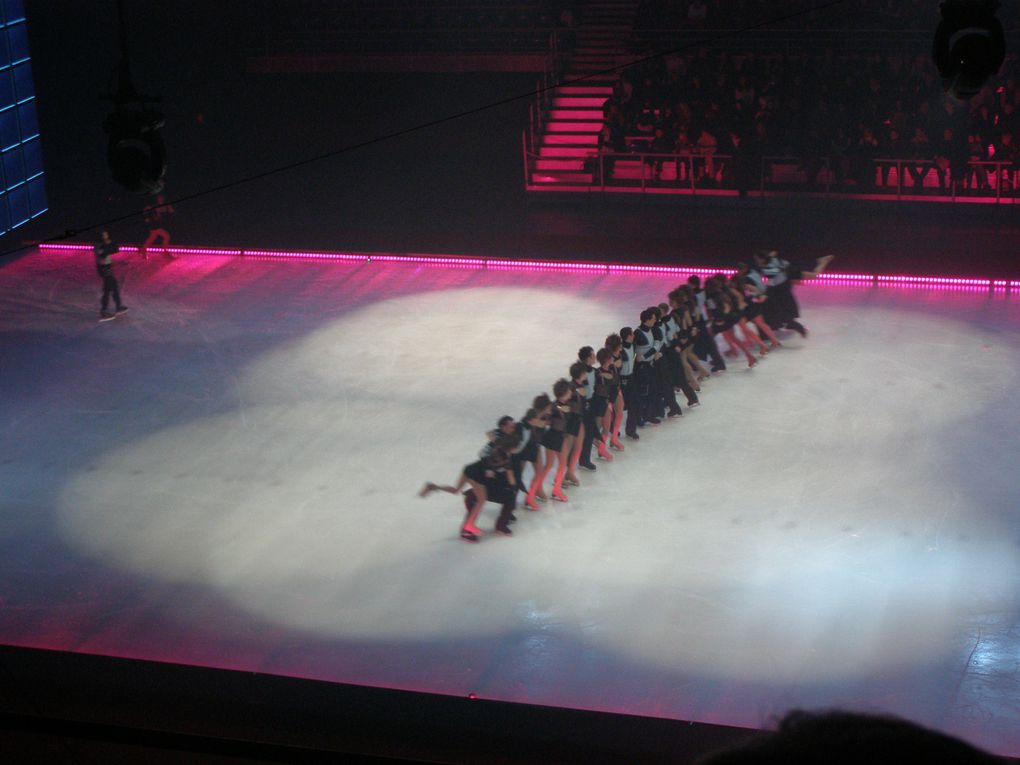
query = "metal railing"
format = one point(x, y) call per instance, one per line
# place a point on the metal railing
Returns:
point(559, 45)
point(705, 170)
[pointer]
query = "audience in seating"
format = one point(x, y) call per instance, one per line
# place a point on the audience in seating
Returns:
point(874, 121)
point(849, 738)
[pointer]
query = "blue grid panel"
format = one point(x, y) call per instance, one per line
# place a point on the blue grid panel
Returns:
point(36, 195)
point(22, 182)
point(14, 10)
point(14, 167)
point(32, 152)
point(17, 198)
point(17, 38)
point(29, 120)
point(10, 133)
point(24, 89)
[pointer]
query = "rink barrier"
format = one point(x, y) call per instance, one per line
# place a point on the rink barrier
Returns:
point(506, 264)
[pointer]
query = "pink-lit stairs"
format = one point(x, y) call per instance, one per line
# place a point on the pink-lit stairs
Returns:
point(574, 119)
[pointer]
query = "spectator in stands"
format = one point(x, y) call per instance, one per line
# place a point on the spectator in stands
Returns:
point(864, 159)
point(921, 152)
point(894, 147)
point(612, 140)
point(1006, 119)
point(740, 164)
point(697, 13)
point(945, 151)
point(705, 147)
point(849, 738)
point(644, 124)
point(661, 144)
point(976, 179)
point(839, 156)
point(744, 94)
point(1007, 151)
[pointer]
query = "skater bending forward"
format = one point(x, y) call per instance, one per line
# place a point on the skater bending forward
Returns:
point(490, 479)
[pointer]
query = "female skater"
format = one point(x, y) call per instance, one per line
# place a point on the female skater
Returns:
point(532, 429)
point(679, 376)
point(489, 478)
point(693, 367)
point(743, 307)
point(754, 298)
point(575, 422)
point(613, 418)
point(724, 316)
point(556, 444)
point(603, 391)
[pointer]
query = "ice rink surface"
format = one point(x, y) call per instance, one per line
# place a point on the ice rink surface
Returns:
point(227, 476)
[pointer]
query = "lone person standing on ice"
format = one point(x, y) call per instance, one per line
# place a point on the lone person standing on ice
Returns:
point(104, 265)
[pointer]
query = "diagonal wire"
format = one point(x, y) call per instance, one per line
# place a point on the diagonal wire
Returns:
point(722, 35)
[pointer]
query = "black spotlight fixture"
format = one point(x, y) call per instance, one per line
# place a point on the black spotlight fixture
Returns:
point(969, 45)
point(135, 149)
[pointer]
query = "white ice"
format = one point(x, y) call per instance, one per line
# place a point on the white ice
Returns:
point(228, 475)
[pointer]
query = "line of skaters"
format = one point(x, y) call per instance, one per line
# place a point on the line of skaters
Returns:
point(629, 383)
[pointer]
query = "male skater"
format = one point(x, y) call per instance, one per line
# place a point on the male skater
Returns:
point(704, 343)
point(104, 266)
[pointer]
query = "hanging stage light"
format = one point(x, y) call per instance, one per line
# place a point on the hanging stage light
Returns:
point(135, 150)
point(969, 46)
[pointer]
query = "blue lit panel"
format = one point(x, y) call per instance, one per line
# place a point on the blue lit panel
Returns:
point(22, 189)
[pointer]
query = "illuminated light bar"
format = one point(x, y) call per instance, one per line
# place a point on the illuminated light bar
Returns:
point(547, 265)
point(932, 280)
point(437, 260)
point(845, 277)
point(685, 270)
point(194, 251)
point(277, 254)
point(453, 261)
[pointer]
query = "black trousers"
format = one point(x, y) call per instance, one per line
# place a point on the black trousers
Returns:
point(676, 368)
point(643, 391)
point(704, 346)
point(591, 432)
point(110, 287)
point(664, 371)
point(518, 466)
point(628, 385)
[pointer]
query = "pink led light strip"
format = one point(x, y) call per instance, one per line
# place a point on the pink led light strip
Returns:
point(551, 265)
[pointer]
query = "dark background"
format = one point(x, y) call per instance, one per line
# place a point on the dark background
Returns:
point(456, 187)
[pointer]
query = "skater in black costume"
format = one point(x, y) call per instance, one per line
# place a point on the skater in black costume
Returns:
point(104, 266)
point(753, 291)
point(556, 443)
point(645, 356)
point(704, 342)
point(532, 430)
point(725, 316)
point(695, 370)
point(629, 384)
point(683, 377)
point(576, 421)
point(595, 410)
point(490, 479)
point(613, 418)
point(781, 309)
point(743, 308)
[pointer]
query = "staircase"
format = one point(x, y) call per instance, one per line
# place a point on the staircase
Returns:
point(572, 124)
